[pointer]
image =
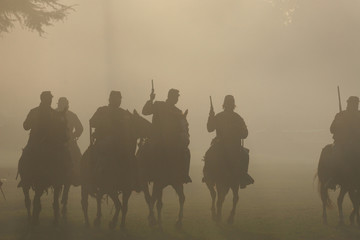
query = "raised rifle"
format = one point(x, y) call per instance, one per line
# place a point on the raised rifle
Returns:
point(339, 97)
point(152, 86)
point(211, 106)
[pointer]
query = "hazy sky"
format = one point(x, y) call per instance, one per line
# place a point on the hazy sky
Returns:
point(282, 60)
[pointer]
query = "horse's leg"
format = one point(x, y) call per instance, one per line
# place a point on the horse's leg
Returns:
point(56, 204)
point(37, 205)
point(64, 199)
point(222, 191)
point(211, 188)
point(125, 198)
point(147, 194)
point(117, 205)
point(159, 204)
point(352, 195)
point(235, 190)
point(26, 191)
point(85, 204)
point(97, 220)
point(154, 195)
point(179, 188)
point(340, 200)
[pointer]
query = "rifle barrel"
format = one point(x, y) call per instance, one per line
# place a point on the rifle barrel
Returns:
point(339, 97)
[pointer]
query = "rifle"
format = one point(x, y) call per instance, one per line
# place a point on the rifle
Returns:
point(152, 86)
point(339, 97)
point(211, 106)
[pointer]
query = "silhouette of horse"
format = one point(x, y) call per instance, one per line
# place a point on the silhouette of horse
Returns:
point(220, 177)
point(45, 166)
point(164, 166)
point(328, 177)
point(74, 180)
point(119, 178)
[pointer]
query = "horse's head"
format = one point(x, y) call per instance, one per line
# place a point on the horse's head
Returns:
point(141, 126)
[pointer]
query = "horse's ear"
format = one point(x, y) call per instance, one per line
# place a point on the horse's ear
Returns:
point(186, 113)
point(135, 112)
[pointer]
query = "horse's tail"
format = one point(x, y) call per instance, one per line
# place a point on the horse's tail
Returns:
point(323, 176)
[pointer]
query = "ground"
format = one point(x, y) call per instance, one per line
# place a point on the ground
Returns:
point(282, 204)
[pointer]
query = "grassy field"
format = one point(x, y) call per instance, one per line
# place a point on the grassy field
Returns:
point(282, 204)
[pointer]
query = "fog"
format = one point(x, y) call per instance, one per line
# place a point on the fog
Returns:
point(282, 60)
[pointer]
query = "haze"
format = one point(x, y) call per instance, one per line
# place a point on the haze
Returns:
point(282, 60)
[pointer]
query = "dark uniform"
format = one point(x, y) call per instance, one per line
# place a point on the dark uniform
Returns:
point(227, 158)
point(345, 161)
point(169, 140)
point(39, 122)
point(166, 121)
point(74, 131)
point(346, 129)
point(45, 159)
point(113, 157)
point(111, 126)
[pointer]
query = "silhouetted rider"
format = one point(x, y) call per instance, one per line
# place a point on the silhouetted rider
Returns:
point(230, 130)
point(110, 122)
point(346, 152)
point(39, 119)
point(74, 131)
point(170, 130)
point(230, 127)
point(346, 126)
point(74, 125)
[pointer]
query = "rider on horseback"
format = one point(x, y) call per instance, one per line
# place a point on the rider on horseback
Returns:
point(75, 129)
point(227, 146)
point(111, 157)
point(43, 141)
point(169, 137)
point(346, 133)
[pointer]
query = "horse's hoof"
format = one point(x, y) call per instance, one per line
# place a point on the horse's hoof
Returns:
point(35, 222)
point(325, 222)
point(122, 226)
point(178, 225)
point(112, 225)
point(152, 221)
point(341, 223)
point(56, 222)
point(230, 221)
point(87, 224)
point(97, 222)
point(63, 212)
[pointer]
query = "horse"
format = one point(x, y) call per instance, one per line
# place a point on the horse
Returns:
point(165, 165)
point(118, 183)
point(45, 165)
point(76, 155)
point(220, 178)
point(327, 170)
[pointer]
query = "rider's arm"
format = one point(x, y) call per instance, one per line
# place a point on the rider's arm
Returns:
point(243, 129)
point(148, 108)
point(78, 127)
point(95, 120)
point(334, 124)
point(211, 123)
point(28, 123)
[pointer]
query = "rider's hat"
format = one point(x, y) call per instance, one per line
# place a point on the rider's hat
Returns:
point(115, 94)
point(45, 95)
point(173, 92)
point(353, 99)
